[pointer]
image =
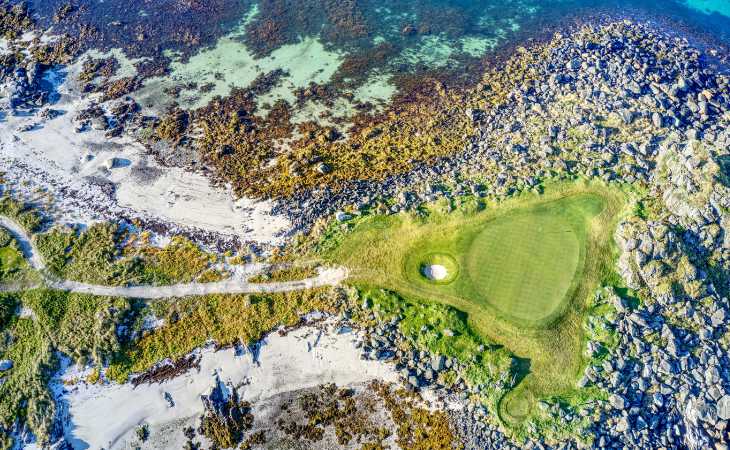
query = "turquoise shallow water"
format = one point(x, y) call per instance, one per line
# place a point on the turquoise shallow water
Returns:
point(147, 28)
point(721, 7)
point(358, 51)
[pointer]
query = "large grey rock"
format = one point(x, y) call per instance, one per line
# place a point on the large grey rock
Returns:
point(707, 413)
point(657, 120)
point(437, 363)
point(115, 163)
point(723, 407)
point(617, 401)
point(413, 381)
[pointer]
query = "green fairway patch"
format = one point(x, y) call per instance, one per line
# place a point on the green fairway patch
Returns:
point(524, 264)
point(522, 269)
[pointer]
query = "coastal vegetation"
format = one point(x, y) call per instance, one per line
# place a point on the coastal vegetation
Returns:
point(537, 315)
point(80, 327)
point(107, 254)
point(192, 322)
point(442, 330)
point(286, 272)
point(23, 213)
point(109, 335)
point(13, 266)
point(426, 125)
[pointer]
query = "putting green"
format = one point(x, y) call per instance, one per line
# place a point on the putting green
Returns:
point(521, 265)
point(524, 264)
point(521, 269)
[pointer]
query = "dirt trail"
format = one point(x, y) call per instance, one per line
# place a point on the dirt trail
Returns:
point(326, 277)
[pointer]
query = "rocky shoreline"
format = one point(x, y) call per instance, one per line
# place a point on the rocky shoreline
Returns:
point(625, 103)
point(647, 109)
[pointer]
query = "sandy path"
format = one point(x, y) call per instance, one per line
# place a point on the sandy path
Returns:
point(26, 245)
point(326, 277)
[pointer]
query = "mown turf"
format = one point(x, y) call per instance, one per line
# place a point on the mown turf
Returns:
point(521, 265)
point(526, 267)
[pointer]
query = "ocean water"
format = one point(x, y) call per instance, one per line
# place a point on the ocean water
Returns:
point(358, 53)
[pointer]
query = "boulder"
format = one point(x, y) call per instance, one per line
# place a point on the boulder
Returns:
point(5, 364)
point(438, 362)
point(413, 381)
point(723, 407)
point(657, 120)
point(115, 163)
point(617, 401)
point(324, 168)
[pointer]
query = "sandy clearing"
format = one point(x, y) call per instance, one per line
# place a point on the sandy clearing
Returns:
point(435, 272)
point(73, 167)
point(328, 276)
point(187, 198)
point(302, 359)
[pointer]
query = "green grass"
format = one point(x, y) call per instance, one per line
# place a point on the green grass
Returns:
point(521, 265)
point(285, 273)
point(527, 266)
point(421, 262)
point(442, 330)
point(11, 262)
point(14, 269)
point(22, 213)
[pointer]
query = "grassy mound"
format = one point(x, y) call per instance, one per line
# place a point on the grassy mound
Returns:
point(522, 271)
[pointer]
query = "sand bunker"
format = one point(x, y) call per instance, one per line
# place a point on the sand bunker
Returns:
point(435, 272)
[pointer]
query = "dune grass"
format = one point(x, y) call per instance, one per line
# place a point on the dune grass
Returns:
point(14, 269)
point(193, 322)
point(528, 264)
point(11, 262)
point(105, 254)
point(80, 326)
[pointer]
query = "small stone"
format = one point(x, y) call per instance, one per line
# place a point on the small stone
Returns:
point(437, 363)
point(413, 381)
point(324, 168)
point(342, 216)
point(723, 407)
point(5, 364)
point(113, 163)
point(168, 399)
point(657, 120)
point(617, 401)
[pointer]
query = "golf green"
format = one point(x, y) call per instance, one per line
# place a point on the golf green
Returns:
point(520, 269)
point(523, 264)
